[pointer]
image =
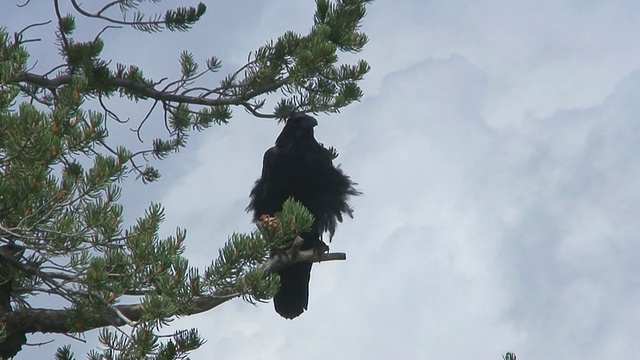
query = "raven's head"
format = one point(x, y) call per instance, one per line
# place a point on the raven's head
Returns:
point(299, 127)
point(302, 120)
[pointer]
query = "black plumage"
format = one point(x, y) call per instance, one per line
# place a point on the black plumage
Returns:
point(299, 167)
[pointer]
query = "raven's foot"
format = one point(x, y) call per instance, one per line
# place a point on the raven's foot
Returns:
point(320, 248)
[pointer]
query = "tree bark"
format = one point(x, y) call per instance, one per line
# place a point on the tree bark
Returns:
point(14, 339)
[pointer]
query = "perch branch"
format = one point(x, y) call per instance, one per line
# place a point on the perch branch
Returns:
point(56, 321)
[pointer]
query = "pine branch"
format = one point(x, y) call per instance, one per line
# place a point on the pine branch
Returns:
point(152, 93)
point(180, 19)
point(57, 321)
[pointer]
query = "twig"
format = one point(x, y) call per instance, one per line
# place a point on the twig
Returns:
point(40, 343)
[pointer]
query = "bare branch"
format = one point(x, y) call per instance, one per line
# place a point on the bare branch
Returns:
point(17, 37)
point(41, 343)
point(154, 24)
point(63, 36)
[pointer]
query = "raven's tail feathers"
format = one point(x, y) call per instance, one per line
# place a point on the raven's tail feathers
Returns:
point(293, 297)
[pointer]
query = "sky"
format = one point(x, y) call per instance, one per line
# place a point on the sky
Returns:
point(496, 147)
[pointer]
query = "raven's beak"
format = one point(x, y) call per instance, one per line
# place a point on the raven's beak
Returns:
point(312, 122)
point(303, 120)
point(309, 122)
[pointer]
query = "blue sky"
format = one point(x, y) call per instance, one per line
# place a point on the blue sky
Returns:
point(497, 149)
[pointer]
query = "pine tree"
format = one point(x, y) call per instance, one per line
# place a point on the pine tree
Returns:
point(61, 225)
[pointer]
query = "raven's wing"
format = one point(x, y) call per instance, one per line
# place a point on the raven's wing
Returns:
point(337, 187)
point(268, 160)
point(260, 202)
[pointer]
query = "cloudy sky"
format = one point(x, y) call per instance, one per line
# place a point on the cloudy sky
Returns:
point(497, 148)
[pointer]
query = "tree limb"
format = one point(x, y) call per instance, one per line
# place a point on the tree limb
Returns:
point(57, 321)
point(150, 92)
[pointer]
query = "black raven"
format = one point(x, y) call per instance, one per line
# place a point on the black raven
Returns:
point(299, 167)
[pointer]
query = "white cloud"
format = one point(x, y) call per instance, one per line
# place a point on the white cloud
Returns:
point(542, 55)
